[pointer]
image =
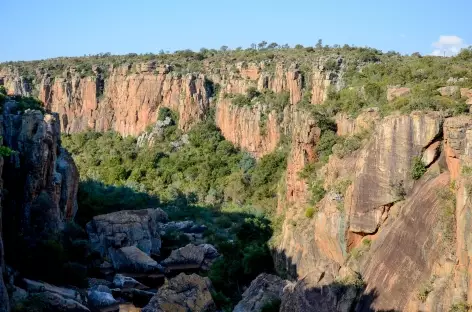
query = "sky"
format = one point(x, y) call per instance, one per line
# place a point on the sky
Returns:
point(39, 29)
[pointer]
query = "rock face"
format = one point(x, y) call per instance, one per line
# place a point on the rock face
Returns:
point(183, 293)
point(237, 122)
point(127, 228)
point(127, 98)
point(305, 136)
point(40, 171)
point(265, 289)
point(413, 260)
point(379, 173)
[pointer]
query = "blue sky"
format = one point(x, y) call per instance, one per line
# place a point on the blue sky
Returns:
point(38, 29)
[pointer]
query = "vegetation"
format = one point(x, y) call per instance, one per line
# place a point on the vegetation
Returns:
point(418, 168)
point(203, 178)
point(310, 212)
point(447, 219)
point(460, 307)
point(425, 289)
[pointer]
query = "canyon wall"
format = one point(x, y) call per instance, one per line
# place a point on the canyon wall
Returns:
point(127, 98)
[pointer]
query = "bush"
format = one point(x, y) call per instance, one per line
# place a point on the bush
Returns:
point(418, 168)
point(3, 91)
point(310, 212)
point(317, 191)
point(272, 306)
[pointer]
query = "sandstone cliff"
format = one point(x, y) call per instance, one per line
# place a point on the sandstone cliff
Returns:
point(127, 98)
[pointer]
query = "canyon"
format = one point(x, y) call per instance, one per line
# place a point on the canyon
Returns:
point(378, 239)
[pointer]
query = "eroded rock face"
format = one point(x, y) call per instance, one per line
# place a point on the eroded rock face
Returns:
point(305, 136)
point(265, 289)
point(385, 165)
point(127, 228)
point(128, 101)
point(250, 128)
point(394, 260)
point(183, 293)
point(41, 172)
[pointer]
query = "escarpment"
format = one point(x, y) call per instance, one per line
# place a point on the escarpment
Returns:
point(127, 98)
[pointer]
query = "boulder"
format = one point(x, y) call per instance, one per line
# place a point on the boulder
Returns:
point(183, 293)
point(139, 228)
point(265, 289)
point(100, 297)
point(121, 281)
point(39, 287)
point(192, 257)
point(132, 259)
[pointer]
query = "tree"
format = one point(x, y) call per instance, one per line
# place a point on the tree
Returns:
point(319, 44)
point(273, 45)
point(261, 45)
point(253, 46)
point(298, 46)
point(224, 48)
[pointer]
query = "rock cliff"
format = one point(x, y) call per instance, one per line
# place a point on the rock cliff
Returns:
point(37, 174)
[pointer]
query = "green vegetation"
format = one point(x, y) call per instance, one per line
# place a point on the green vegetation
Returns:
point(425, 289)
point(272, 306)
point(310, 212)
point(203, 178)
point(460, 307)
point(447, 220)
point(418, 168)
point(358, 252)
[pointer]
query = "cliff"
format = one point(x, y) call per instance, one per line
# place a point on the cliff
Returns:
point(127, 98)
point(39, 181)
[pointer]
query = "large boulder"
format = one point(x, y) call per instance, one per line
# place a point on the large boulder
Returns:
point(39, 287)
point(132, 259)
point(127, 228)
point(100, 297)
point(265, 289)
point(183, 293)
point(191, 257)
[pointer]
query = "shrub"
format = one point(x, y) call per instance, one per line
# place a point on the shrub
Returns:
point(460, 307)
point(3, 91)
point(418, 168)
point(272, 306)
point(310, 212)
point(317, 191)
point(425, 289)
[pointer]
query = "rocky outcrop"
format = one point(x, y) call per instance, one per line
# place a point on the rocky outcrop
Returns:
point(139, 228)
point(41, 171)
point(183, 293)
point(264, 290)
point(191, 257)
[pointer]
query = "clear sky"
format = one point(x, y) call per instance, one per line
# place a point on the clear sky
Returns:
point(38, 29)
